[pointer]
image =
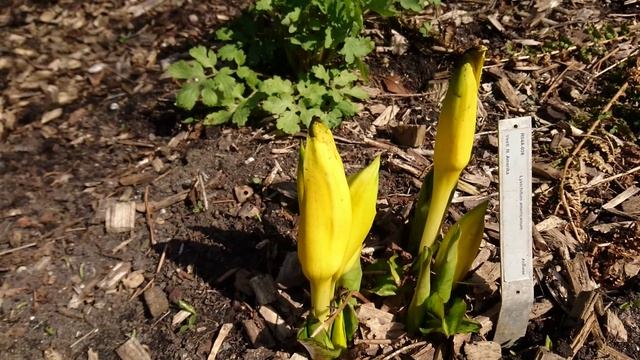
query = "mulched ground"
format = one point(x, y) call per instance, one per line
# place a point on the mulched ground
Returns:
point(87, 119)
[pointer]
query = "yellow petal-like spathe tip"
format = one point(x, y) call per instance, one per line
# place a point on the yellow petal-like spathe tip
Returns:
point(363, 188)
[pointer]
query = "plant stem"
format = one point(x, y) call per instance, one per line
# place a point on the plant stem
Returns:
point(444, 184)
point(322, 292)
point(416, 310)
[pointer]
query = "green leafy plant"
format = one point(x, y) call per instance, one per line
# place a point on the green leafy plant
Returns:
point(322, 42)
point(221, 82)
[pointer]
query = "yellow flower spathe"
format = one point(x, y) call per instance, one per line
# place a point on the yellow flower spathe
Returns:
point(325, 216)
point(454, 139)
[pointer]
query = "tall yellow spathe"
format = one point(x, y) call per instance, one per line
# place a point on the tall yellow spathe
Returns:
point(454, 139)
point(325, 216)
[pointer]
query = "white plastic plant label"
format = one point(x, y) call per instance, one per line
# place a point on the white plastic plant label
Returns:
point(516, 247)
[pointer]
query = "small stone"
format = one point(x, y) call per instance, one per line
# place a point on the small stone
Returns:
point(157, 165)
point(156, 301)
point(134, 279)
point(51, 354)
point(132, 350)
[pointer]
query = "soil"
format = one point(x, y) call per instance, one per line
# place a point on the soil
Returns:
point(102, 64)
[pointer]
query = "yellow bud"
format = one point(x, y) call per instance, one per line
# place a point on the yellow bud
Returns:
point(454, 138)
point(325, 216)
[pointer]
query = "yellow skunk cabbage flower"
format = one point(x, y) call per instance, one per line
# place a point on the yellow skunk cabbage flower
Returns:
point(454, 139)
point(363, 188)
point(325, 216)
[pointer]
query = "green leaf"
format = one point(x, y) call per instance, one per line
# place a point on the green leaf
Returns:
point(276, 85)
point(225, 83)
point(231, 52)
point(288, 122)
point(356, 48)
point(224, 34)
point(185, 70)
point(264, 5)
point(188, 95)
point(321, 73)
point(249, 76)
point(243, 111)
point(356, 92)
point(471, 230)
point(455, 315)
point(350, 321)
point(381, 7)
point(413, 5)
point(209, 97)
point(468, 326)
point(351, 279)
point(278, 104)
point(291, 19)
point(320, 346)
point(448, 250)
point(218, 117)
point(418, 308)
point(333, 118)
point(344, 78)
point(435, 306)
point(385, 290)
point(389, 276)
point(312, 93)
point(347, 108)
point(206, 58)
point(420, 213)
point(306, 115)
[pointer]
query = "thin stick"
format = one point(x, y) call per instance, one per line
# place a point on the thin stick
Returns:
point(9, 251)
point(404, 349)
point(610, 178)
point(575, 151)
point(95, 330)
point(224, 331)
point(325, 325)
point(148, 213)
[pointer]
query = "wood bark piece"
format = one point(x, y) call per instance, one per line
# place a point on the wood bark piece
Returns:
point(615, 327)
point(166, 202)
point(120, 217)
point(132, 350)
point(579, 274)
point(136, 179)
point(290, 273)
point(222, 334)
point(156, 301)
point(258, 335)
point(409, 135)
point(483, 350)
point(275, 322)
point(117, 273)
point(264, 289)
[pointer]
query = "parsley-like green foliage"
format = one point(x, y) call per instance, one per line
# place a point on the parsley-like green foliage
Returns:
point(320, 40)
point(233, 92)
